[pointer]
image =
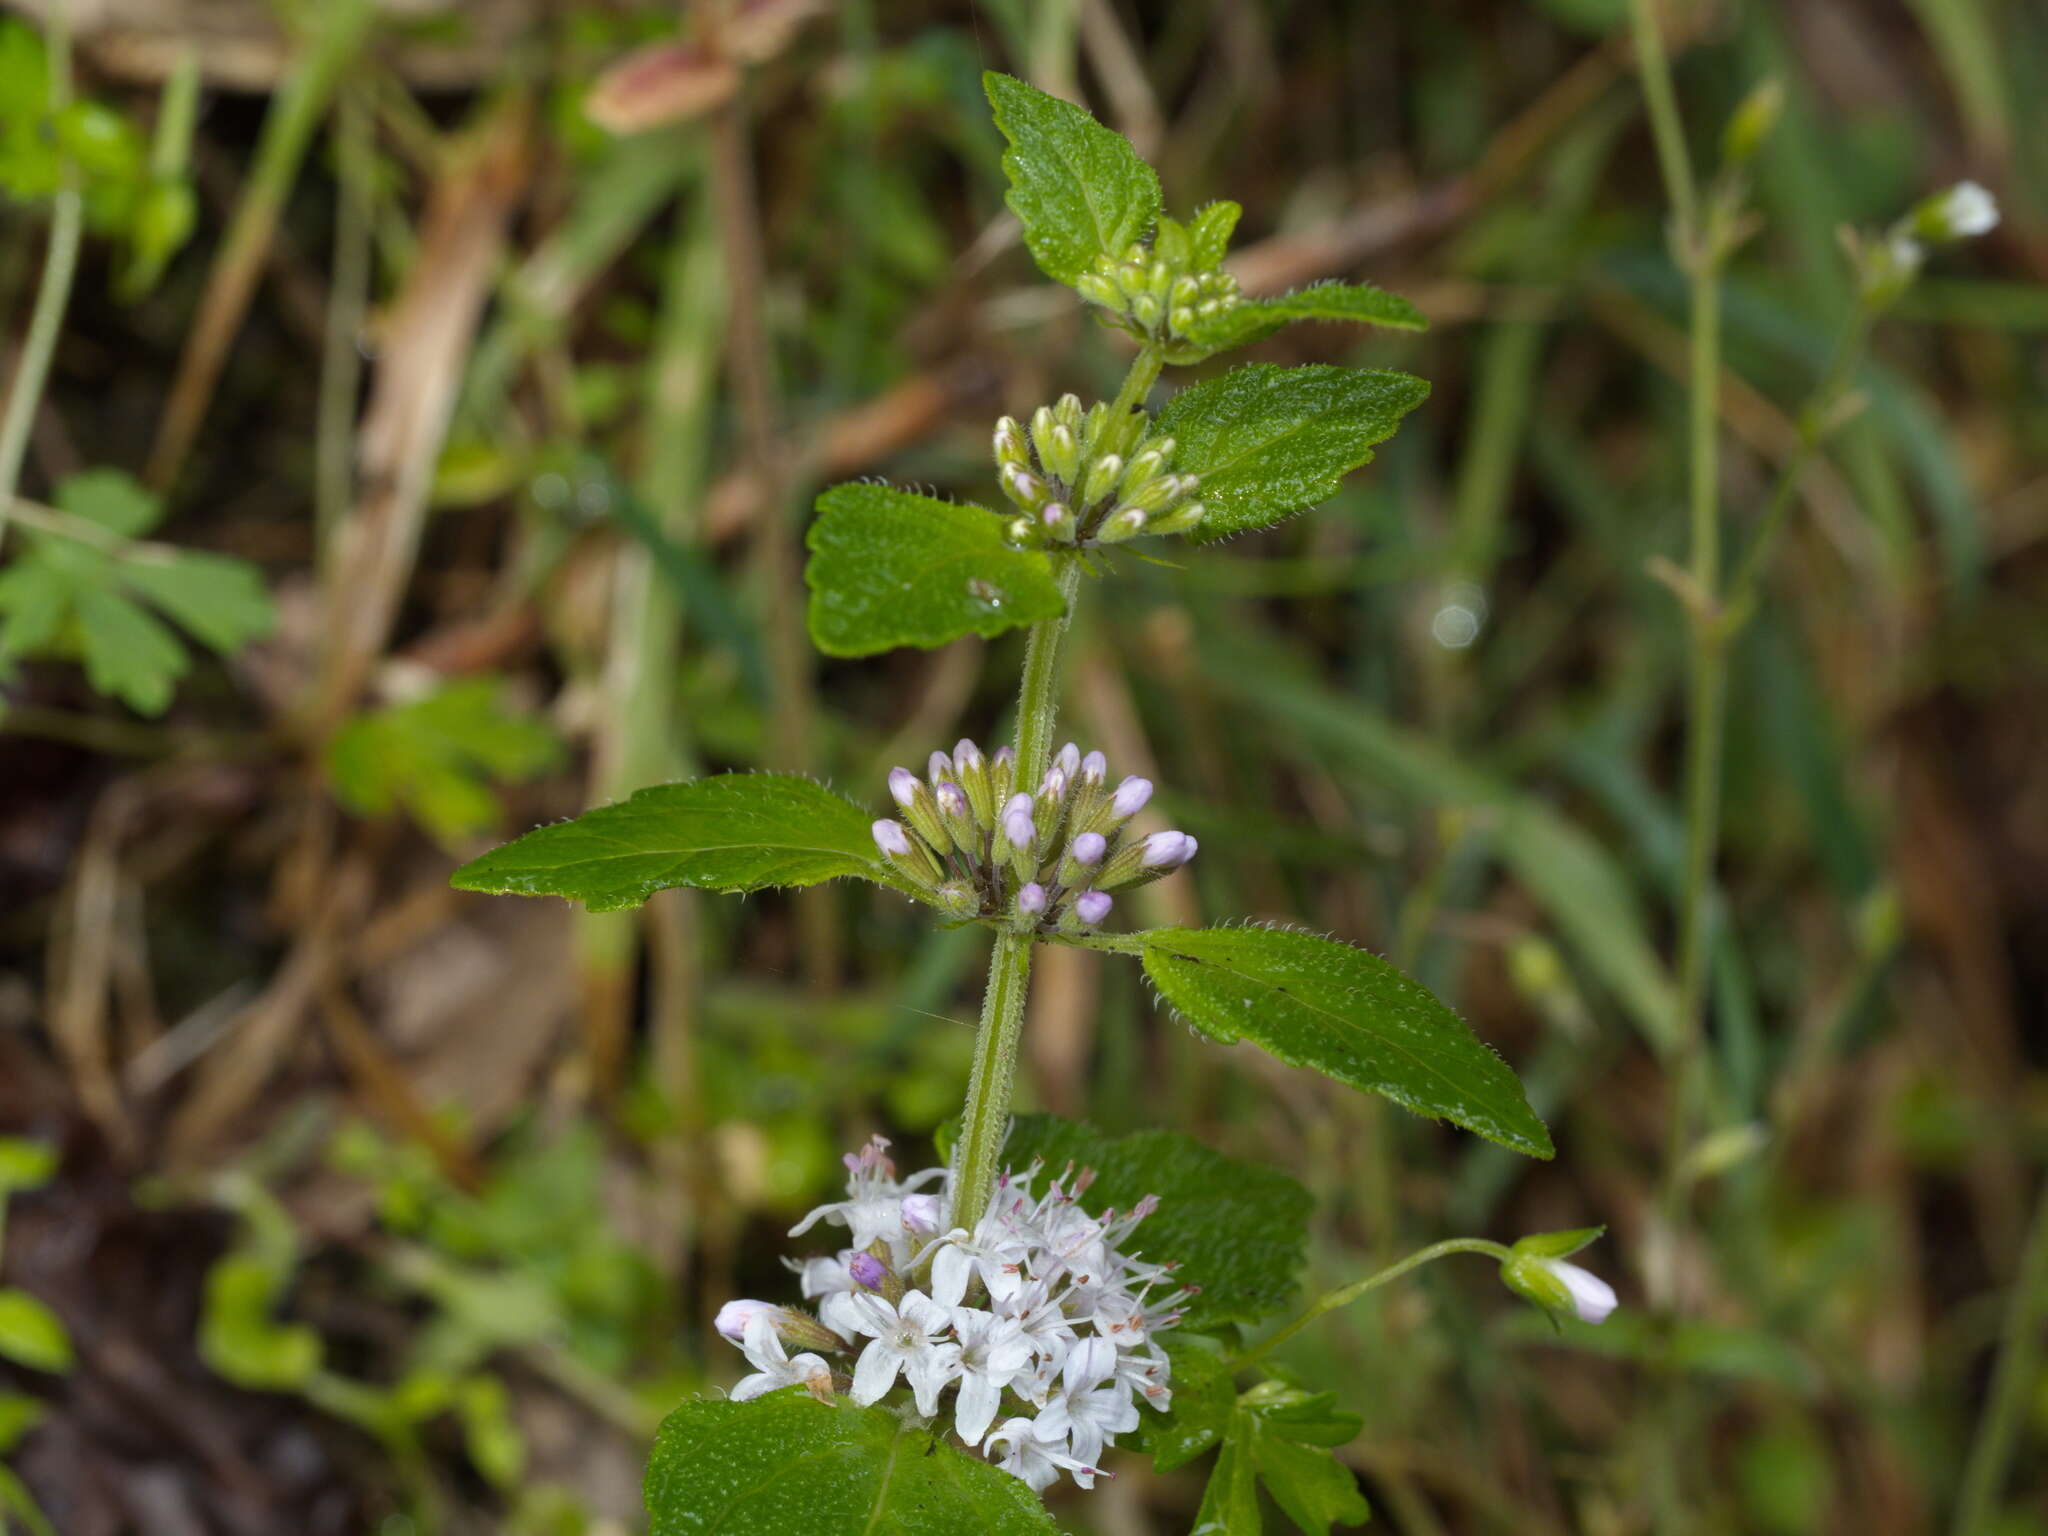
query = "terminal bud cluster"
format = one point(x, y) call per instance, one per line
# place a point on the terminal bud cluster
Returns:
point(1169, 292)
point(976, 846)
point(1077, 478)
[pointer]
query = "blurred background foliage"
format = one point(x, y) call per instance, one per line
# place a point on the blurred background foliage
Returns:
point(342, 1202)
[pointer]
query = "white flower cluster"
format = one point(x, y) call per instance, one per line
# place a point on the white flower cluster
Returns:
point(1038, 1322)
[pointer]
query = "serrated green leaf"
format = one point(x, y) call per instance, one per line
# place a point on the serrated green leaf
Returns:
point(1079, 188)
point(31, 1334)
point(218, 599)
point(1209, 232)
point(1252, 320)
point(786, 1463)
point(128, 653)
point(890, 568)
point(735, 832)
point(1237, 1230)
point(1199, 1413)
point(1346, 1013)
point(1283, 1438)
point(25, 1164)
point(1268, 442)
point(441, 757)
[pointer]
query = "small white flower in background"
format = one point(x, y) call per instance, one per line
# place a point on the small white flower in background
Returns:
point(1592, 1297)
point(773, 1367)
point(1535, 1269)
point(1963, 212)
point(1043, 1321)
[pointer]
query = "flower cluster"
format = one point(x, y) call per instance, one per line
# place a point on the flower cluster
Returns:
point(1886, 267)
point(1038, 1323)
point(1170, 291)
point(976, 846)
point(1073, 487)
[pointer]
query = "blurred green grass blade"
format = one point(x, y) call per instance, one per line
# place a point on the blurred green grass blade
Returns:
point(1969, 49)
point(1562, 866)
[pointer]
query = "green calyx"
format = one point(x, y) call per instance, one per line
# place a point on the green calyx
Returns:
point(1169, 293)
point(1079, 479)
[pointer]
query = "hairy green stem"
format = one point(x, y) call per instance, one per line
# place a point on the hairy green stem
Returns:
point(1344, 1295)
point(2019, 1359)
point(985, 1120)
point(53, 294)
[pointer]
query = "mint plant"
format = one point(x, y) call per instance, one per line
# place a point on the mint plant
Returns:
point(1048, 1290)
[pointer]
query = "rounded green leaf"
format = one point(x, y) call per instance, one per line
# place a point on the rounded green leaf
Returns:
point(787, 1463)
point(890, 568)
point(1079, 188)
point(31, 1334)
point(1314, 1002)
point(735, 832)
point(1267, 442)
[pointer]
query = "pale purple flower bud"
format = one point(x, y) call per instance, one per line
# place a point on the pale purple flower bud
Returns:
point(867, 1271)
point(1089, 848)
point(892, 839)
point(938, 766)
point(1092, 906)
point(734, 1316)
point(1131, 796)
point(952, 800)
point(1094, 769)
point(921, 1214)
point(966, 756)
point(1054, 786)
point(1019, 828)
point(1166, 850)
point(1005, 756)
point(1017, 802)
point(903, 786)
point(1068, 759)
point(1031, 900)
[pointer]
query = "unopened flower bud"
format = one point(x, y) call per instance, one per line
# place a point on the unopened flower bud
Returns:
point(1041, 429)
point(1166, 850)
point(1031, 900)
point(938, 766)
point(970, 772)
point(1965, 210)
point(958, 899)
point(1019, 828)
point(1024, 488)
point(1088, 849)
point(1159, 280)
point(1101, 479)
point(734, 1316)
point(1092, 907)
point(892, 839)
point(921, 1215)
point(903, 786)
point(867, 1270)
point(1021, 531)
point(1067, 411)
point(1184, 518)
point(1094, 769)
point(1147, 464)
point(1052, 789)
point(1124, 523)
point(1068, 759)
point(1098, 289)
point(1061, 453)
point(1187, 288)
point(1181, 317)
point(1147, 311)
point(952, 803)
point(1012, 451)
point(1057, 520)
point(1535, 1269)
point(1002, 769)
point(1131, 797)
